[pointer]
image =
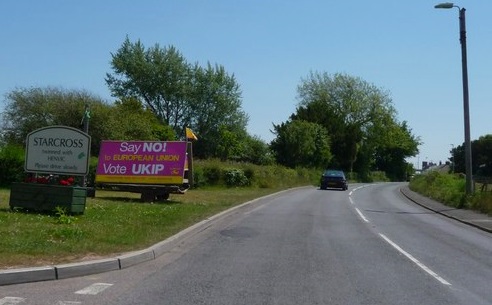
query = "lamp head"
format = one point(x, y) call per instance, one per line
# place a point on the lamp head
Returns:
point(444, 5)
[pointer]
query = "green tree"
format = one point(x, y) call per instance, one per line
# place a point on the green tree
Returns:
point(207, 100)
point(301, 143)
point(139, 123)
point(11, 164)
point(160, 77)
point(356, 115)
point(481, 156)
point(216, 113)
point(256, 151)
point(31, 108)
point(396, 143)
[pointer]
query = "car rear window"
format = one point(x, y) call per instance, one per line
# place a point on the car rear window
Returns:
point(333, 173)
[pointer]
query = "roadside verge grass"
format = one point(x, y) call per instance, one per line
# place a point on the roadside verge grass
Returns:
point(113, 223)
point(449, 189)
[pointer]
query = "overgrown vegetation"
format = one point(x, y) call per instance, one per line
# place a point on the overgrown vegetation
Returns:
point(239, 174)
point(450, 190)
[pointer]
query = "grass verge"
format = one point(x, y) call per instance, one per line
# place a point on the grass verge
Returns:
point(113, 223)
point(450, 190)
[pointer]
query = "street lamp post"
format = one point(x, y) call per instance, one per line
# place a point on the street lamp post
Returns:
point(466, 108)
point(454, 158)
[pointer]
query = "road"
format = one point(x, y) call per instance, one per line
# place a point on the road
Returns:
point(367, 245)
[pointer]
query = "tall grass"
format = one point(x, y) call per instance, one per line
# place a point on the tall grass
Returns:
point(450, 190)
point(215, 172)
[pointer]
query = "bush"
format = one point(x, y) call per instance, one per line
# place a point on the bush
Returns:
point(214, 172)
point(91, 175)
point(212, 175)
point(11, 164)
point(235, 177)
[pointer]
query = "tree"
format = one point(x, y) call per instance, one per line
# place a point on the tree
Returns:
point(139, 123)
point(158, 76)
point(207, 100)
point(216, 112)
point(301, 143)
point(395, 144)
point(481, 156)
point(357, 116)
point(256, 151)
point(11, 164)
point(31, 108)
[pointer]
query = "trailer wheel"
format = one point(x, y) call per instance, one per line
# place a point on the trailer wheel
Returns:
point(147, 196)
point(162, 197)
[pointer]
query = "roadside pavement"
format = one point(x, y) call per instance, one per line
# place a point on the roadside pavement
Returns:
point(48, 273)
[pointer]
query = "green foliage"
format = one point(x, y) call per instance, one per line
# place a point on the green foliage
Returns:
point(127, 119)
point(445, 188)
point(450, 190)
point(235, 177)
point(481, 157)
point(379, 176)
point(257, 152)
point(207, 100)
point(301, 143)
point(158, 76)
point(11, 164)
point(216, 113)
point(62, 217)
point(361, 122)
point(91, 175)
point(482, 202)
point(211, 171)
point(212, 175)
point(139, 123)
point(29, 109)
point(216, 173)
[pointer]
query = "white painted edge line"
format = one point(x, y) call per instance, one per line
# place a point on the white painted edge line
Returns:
point(361, 215)
point(94, 288)
point(415, 261)
point(11, 300)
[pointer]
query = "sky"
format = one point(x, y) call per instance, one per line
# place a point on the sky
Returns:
point(409, 49)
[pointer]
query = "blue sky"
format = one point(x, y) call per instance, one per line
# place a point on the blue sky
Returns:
point(408, 48)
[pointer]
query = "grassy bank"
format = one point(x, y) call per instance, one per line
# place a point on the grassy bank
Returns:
point(113, 223)
point(450, 190)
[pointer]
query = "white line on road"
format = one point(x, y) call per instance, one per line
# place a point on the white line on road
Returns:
point(94, 288)
point(68, 303)
point(361, 215)
point(11, 301)
point(416, 261)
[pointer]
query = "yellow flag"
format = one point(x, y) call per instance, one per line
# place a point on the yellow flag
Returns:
point(190, 135)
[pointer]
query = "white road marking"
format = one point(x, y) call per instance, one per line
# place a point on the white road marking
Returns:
point(416, 261)
point(94, 288)
point(361, 215)
point(68, 303)
point(11, 301)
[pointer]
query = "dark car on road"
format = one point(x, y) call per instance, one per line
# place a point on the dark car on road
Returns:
point(333, 179)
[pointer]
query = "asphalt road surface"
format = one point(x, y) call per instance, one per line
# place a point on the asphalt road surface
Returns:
point(367, 245)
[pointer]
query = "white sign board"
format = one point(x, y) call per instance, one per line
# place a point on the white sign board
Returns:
point(58, 149)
